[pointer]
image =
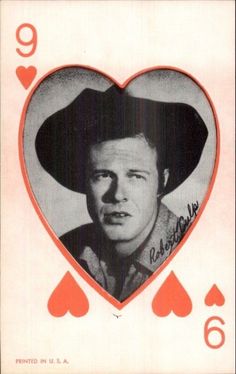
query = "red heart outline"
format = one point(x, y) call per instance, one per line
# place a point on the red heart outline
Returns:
point(119, 305)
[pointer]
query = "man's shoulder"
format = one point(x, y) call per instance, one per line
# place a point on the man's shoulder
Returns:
point(166, 215)
point(166, 223)
point(76, 239)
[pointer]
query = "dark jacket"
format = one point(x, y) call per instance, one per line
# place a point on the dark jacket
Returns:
point(121, 277)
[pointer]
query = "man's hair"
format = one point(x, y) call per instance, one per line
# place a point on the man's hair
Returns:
point(130, 132)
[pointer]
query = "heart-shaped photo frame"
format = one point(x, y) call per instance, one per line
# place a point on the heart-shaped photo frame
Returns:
point(119, 174)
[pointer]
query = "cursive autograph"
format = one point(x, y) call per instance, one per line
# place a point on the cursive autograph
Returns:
point(178, 232)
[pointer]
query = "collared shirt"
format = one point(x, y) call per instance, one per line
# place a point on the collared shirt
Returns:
point(121, 277)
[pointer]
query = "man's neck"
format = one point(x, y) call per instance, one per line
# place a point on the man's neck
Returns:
point(126, 248)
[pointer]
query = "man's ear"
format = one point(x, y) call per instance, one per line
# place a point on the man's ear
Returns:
point(166, 175)
point(164, 180)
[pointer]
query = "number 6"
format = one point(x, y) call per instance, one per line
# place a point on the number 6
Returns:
point(208, 330)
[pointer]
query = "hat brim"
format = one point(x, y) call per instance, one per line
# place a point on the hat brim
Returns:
point(176, 129)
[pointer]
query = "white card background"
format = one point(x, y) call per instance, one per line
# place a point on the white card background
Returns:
point(119, 38)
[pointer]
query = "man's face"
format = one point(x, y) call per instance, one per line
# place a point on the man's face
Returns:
point(122, 188)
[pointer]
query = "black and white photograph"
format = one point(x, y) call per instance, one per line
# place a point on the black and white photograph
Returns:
point(119, 173)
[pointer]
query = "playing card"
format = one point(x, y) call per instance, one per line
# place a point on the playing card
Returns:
point(117, 187)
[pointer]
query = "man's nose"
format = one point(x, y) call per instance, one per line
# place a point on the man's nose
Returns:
point(120, 190)
point(117, 192)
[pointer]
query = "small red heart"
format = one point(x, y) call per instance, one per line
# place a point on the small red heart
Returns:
point(26, 75)
point(172, 296)
point(214, 296)
point(68, 297)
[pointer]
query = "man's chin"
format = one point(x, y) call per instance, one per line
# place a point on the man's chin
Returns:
point(118, 235)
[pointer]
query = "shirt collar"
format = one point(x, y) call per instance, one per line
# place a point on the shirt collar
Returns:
point(163, 228)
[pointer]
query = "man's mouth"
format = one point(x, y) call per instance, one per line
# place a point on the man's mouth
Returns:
point(117, 214)
point(116, 217)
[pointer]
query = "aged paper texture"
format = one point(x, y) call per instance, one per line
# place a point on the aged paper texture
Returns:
point(119, 38)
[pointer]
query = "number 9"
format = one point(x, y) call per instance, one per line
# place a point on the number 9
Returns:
point(32, 41)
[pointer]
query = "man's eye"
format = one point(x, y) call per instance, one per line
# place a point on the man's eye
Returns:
point(136, 176)
point(101, 176)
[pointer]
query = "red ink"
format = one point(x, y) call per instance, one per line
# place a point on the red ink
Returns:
point(208, 330)
point(26, 75)
point(172, 297)
point(68, 297)
point(214, 296)
point(32, 41)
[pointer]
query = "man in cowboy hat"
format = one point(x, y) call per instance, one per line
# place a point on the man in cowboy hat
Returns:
point(124, 153)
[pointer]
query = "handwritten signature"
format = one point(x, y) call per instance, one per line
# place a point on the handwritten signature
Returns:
point(178, 232)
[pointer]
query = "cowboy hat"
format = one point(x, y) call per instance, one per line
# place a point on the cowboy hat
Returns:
point(175, 129)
